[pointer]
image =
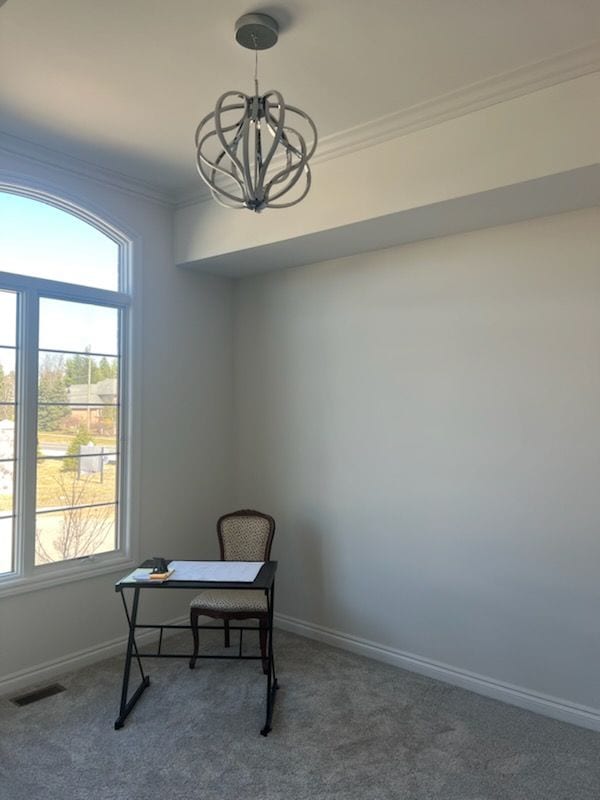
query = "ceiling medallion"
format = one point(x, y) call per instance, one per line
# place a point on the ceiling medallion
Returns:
point(246, 149)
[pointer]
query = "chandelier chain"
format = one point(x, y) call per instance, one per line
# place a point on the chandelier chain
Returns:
point(255, 64)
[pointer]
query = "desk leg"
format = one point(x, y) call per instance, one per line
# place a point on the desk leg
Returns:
point(126, 706)
point(272, 685)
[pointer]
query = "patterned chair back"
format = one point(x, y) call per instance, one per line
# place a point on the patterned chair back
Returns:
point(245, 536)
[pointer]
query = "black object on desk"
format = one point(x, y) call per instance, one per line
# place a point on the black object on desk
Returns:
point(160, 566)
point(264, 581)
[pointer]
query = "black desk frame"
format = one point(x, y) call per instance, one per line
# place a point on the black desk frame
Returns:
point(264, 581)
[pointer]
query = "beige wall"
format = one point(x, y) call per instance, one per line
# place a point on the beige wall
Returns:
point(424, 423)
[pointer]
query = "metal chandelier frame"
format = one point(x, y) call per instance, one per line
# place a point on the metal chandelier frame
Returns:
point(259, 157)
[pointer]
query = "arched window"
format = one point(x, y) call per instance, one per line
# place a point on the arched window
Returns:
point(63, 363)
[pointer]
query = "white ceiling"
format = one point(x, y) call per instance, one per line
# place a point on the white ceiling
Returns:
point(123, 83)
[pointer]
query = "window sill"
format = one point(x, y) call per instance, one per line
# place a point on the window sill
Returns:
point(59, 575)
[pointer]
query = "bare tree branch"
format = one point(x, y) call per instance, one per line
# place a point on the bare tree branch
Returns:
point(83, 530)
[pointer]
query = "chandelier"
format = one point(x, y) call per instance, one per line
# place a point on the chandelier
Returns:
point(251, 150)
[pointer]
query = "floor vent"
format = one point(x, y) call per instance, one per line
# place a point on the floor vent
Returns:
point(38, 694)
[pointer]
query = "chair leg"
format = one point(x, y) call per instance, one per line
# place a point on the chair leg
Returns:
point(263, 645)
point(194, 626)
point(226, 629)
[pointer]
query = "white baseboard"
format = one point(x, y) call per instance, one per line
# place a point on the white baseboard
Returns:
point(48, 670)
point(547, 705)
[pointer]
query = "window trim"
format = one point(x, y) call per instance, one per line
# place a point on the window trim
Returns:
point(26, 577)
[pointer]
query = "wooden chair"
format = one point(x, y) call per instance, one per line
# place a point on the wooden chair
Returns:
point(244, 535)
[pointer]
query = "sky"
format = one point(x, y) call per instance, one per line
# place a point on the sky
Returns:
point(41, 241)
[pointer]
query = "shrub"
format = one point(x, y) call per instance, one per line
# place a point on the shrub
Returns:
point(82, 437)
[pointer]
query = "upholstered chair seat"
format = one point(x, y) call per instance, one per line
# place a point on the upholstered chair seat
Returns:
point(235, 600)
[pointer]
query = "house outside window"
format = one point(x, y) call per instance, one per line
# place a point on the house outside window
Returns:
point(64, 393)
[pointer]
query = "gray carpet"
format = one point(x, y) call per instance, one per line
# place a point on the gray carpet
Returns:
point(345, 728)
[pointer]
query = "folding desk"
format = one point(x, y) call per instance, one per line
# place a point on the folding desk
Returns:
point(264, 582)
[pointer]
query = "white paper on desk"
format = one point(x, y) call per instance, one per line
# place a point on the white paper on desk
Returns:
point(234, 571)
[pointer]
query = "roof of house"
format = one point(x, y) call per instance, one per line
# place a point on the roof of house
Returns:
point(95, 394)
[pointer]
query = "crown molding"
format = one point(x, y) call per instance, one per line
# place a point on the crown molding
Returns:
point(47, 157)
point(482, 94)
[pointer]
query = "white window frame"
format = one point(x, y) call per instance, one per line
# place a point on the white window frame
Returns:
point(26, 576)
